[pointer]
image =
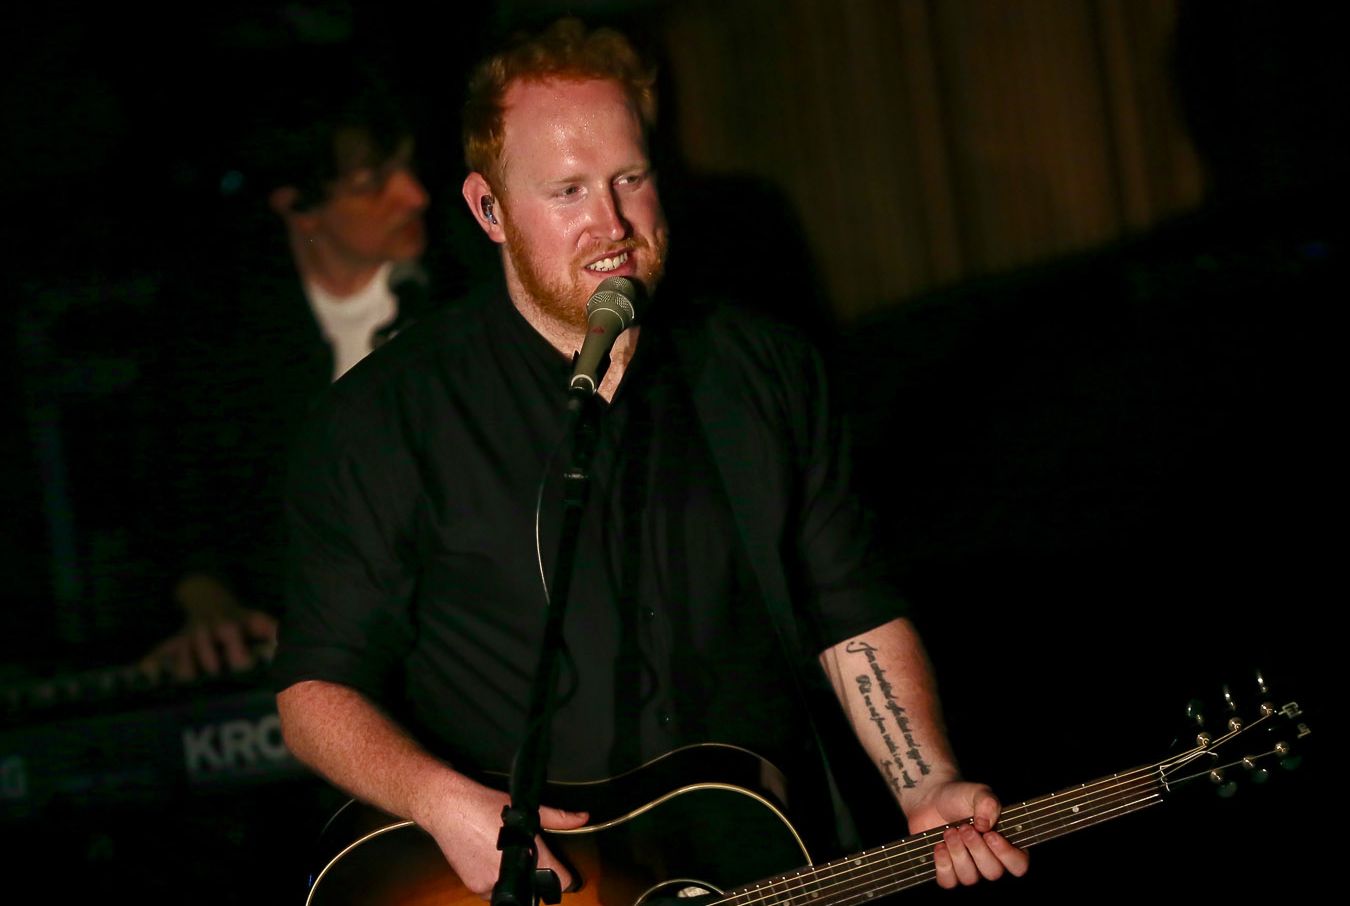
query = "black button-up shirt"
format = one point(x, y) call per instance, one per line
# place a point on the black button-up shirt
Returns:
point(417, 576)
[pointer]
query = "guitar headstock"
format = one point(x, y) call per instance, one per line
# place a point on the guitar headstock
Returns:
point(1246, 735)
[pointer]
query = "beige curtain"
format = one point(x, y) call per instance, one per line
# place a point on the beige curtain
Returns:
point(923, 142)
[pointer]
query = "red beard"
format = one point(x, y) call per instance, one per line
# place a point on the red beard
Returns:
point(565, 300)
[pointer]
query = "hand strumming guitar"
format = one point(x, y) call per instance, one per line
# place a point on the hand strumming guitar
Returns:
point(465, 821)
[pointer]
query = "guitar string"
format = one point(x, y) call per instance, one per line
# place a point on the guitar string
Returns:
point(913, 877)
point(1029, 829)
point(857, 871)
point(915, 853)
point(887, 875)
point(900, 868)
point(862, 892)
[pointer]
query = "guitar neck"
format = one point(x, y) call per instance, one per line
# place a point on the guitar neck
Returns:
point(909, 862)
point(1080, 807)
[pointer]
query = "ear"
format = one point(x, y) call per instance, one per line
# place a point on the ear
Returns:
point(475, 187)
point(282, 201)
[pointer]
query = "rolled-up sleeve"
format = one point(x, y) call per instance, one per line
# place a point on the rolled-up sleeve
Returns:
point(847, 582)
point(780, 436)
point(350, 504)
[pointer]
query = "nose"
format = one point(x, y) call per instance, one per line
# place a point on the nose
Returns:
point(609, 219)
point(407, 188)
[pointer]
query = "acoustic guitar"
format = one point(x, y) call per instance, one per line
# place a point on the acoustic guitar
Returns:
point(708, 822)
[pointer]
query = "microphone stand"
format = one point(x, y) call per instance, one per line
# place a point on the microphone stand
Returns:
point(520, 882)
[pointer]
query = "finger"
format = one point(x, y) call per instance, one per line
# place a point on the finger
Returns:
point(204, 647)
point(178, 660)
point(261, 626)
point(1015, 860)
point(557, 819)
point(548, 860)
point(986, 810)
point(963, 866)
point(986, 863)
point(230, 639)
point(942, 861)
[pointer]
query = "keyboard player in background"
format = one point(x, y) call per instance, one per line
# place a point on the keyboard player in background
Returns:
point(327, 269)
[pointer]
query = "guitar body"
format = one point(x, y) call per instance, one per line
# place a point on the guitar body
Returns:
point(703, 819)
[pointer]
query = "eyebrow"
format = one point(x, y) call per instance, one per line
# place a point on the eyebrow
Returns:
point(579, 178)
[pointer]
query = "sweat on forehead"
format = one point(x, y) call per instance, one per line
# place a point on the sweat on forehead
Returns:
point(554, 113)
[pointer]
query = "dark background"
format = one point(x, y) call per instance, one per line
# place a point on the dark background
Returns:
point(1110, 480)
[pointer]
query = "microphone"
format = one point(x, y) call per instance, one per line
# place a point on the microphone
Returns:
point(611, 310)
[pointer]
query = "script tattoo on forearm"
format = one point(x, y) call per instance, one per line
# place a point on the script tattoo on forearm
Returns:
point(895, 769)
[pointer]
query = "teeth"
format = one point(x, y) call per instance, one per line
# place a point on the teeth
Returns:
point(608, 264)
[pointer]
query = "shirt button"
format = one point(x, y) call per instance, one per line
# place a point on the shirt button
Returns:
point(664, 718)
point(648, 613)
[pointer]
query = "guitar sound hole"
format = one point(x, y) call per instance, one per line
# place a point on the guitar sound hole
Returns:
point(678, 892)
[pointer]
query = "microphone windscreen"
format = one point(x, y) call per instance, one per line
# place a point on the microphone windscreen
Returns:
point(618, 294)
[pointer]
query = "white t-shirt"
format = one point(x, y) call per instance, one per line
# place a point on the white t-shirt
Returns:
point(349, 322)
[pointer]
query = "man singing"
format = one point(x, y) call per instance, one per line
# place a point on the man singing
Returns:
point(416, 606)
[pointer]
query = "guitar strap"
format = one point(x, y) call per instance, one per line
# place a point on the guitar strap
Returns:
point(743, 458)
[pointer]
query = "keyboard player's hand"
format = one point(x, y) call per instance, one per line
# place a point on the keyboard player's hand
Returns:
point(218, 635)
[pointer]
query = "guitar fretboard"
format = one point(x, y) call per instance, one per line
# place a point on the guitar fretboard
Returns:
point(909, 862)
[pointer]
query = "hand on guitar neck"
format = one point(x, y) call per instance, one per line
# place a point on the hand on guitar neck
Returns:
point(972, 849)
point(885, 685)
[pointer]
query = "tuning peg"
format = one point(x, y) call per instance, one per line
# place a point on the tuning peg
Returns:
point(1225, 788)
point(1262, 689)
point(1229, 703)
point(1195, 710)
point(1288, 760)
point(1258, 773)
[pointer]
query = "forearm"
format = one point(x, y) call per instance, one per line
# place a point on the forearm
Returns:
point(885, 685)
point(342, 735)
